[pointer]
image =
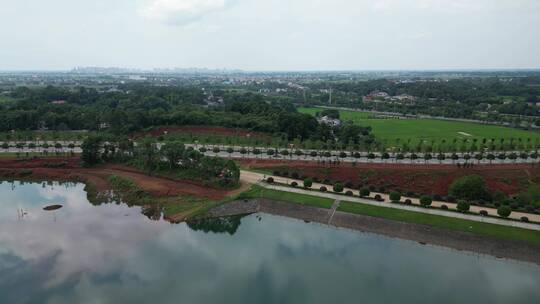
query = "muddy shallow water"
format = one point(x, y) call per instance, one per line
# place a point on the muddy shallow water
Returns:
point(110, 253)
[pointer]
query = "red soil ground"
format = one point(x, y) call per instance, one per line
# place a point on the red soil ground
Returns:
point(201, 130)
point(433, 179)
point(97, 177)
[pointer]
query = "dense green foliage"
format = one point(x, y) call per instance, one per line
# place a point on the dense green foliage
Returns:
point(425, 200)
point(471, 187)
point(172, 159)
point(308, 182)
point(477, 97)
point(395, 196)
point(142, 107)
point(530, 197)
point(91, 150)
point(504, 211)
point(338, 187)
point(463, 206)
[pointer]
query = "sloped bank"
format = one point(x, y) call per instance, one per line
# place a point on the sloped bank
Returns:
point(422, 234)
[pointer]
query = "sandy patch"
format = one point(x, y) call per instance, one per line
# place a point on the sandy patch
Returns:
point(464, 134)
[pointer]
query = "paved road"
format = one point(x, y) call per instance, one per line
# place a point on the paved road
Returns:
point(363, 159)
point(256, 178)
point(306, 157)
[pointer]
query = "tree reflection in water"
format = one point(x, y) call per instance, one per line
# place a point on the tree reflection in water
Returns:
point(227, 224)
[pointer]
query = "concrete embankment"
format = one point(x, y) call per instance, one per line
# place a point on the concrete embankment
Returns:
point(422, 234)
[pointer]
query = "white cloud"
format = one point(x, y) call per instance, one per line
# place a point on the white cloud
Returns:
point(181, 12)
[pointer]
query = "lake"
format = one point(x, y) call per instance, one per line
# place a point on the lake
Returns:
point(112, 253)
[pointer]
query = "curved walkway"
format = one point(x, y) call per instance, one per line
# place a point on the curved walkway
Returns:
point(257, 178)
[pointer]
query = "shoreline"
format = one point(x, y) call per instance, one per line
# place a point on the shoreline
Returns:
point(95, 181)
point(422, 234)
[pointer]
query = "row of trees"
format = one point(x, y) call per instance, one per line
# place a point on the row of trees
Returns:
point(383, 156)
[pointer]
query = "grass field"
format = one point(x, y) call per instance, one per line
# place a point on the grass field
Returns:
point(498, 231)
point(302, 199)
point(44, 135)
point(390, 130)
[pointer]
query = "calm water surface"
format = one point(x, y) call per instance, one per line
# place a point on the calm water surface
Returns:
point(114, 254)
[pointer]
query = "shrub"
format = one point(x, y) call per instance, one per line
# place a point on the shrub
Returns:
point(504, 211)
point(25, 172)
point(294, 184)
point(308, 182)
point(408, 202)
point(323, 189)
point(202, 150)
point(216, 150)
point(338, 187)
point(270, 180)
point(425, 200)
point(444, 207)
point(463, 206)
point(483, 213)
point(364, 191)
point(284, 152)
point(471, 187)
point(349, 193)
point(525, 219)
point(395, 196)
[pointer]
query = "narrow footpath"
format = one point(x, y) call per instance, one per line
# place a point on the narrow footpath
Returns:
point(258, 178)
point(332, 211)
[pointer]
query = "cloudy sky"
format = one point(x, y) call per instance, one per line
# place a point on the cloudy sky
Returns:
point(270, 34)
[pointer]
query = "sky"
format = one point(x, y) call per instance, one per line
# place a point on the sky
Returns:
point(270, 35)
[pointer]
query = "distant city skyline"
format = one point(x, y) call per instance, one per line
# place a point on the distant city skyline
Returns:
point(278, 35)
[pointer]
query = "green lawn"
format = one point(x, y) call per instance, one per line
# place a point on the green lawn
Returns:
point(498, 231)
point(428, 129)
point(302, 199)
